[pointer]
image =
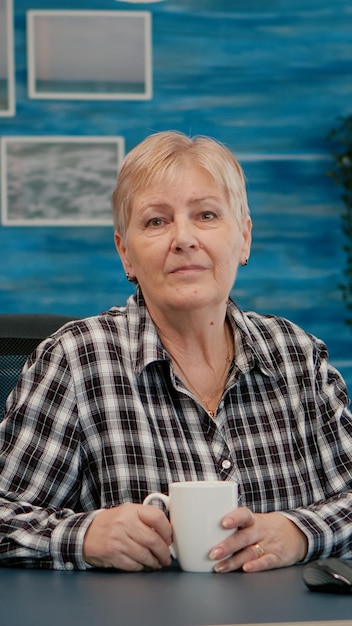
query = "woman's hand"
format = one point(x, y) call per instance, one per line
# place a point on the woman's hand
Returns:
point(262, 541)
point(128, 537)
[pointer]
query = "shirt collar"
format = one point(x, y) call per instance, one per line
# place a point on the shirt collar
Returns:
point(251, 349)
point(145, 343)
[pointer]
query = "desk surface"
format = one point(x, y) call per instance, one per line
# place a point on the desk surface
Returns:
point(167, 598)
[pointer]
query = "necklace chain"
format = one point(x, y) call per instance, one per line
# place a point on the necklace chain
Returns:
point(220, 387)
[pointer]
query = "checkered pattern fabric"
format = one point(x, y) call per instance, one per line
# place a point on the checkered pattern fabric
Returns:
point(99, 418)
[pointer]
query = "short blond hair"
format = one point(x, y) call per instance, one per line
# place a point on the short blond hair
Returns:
point(160, 156)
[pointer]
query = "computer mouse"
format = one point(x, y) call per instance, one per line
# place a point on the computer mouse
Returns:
point(330, 575)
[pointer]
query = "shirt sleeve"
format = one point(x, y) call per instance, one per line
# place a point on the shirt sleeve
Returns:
point(40, 463)
point(327, 523)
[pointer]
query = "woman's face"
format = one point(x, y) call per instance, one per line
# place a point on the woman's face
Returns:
point(183, 243)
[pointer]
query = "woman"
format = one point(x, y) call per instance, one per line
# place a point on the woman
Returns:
point(178, 385)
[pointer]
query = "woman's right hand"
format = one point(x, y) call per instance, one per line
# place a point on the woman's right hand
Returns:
point(128, 537)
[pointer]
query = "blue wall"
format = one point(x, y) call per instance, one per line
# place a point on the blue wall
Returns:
point(267, 78)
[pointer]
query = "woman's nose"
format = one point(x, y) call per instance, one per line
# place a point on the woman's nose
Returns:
point(184, 235)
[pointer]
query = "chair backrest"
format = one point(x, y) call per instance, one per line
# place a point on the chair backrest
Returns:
point(20, 333)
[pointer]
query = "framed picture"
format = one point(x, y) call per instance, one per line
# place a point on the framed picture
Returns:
point(89, 55)
point(58, 181)
point(7, 78)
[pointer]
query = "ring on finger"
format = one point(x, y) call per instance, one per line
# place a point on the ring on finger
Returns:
point(259, 549)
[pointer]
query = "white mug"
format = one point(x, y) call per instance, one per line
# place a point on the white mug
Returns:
point(196, 509)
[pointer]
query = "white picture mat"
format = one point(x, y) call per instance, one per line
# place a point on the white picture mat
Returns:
point(89, 55)
point(58, 181)
point(7, 71)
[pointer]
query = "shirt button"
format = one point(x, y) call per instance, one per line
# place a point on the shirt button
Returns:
point(69, 566)
point(226, 464)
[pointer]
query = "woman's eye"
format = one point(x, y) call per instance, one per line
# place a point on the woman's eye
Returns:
point(154, 222)
point(208, 215)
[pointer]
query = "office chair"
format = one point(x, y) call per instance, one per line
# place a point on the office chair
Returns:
point(20, 333)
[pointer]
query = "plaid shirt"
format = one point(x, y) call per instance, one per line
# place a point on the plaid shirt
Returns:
point(99, 418)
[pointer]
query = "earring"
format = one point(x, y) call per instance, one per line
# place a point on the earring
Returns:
point(131, 280)
point(245, 262)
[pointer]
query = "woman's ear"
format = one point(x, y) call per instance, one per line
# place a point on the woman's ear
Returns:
point(122, 251)
point(247, 240)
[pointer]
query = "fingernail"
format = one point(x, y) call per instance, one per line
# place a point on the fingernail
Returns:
point(216, 553)
point(221, 568)
point(228, 522)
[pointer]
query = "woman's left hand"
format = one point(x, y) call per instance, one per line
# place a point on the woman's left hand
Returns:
point(262, 541)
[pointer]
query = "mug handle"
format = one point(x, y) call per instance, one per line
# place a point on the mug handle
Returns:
point(166, 501)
